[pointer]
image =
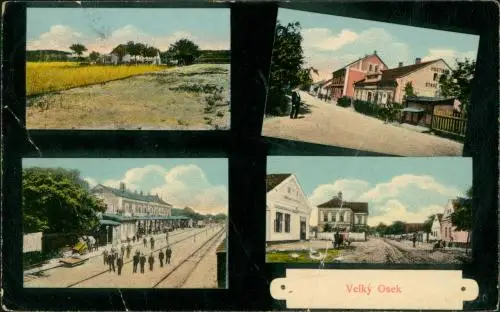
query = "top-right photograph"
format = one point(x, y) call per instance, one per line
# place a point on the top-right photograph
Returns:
point(370, 86)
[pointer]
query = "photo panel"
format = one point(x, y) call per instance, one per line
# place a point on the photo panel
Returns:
point(374, 210)
point(369, 86)
point(125, 223)
point(91, 68)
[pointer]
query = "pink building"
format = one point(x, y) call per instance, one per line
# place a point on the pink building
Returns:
point(448, 232)
point(345, 77)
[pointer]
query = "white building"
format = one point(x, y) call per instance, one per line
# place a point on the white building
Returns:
point(287, 209)
point(127, 59)
point(435, 233)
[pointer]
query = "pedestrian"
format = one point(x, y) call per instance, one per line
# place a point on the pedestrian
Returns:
point(152, 241)
point(168, 255)
point(145, 241)
point(128, 239)
point(135, 261)
point(105, 256)
point(129, 249)
point(111, 261)
point(161, 256)
point(133, 239)
point(414, 239)
point(293, 106)
point(142, 262)
point(166, 236)
point(119, 264)
point(151, 261)
point(296, 103)
point(122, 249)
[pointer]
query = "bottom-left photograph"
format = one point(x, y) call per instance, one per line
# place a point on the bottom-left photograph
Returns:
point(125, 223)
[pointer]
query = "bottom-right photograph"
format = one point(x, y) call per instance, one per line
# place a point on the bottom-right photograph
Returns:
point(369, 210)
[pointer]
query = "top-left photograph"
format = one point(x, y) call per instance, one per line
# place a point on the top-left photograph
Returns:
point(128, 68)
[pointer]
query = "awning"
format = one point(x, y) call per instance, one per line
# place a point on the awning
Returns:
point(109, 222)
point(413, 110)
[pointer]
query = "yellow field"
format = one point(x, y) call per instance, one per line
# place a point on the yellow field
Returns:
point(42, 77)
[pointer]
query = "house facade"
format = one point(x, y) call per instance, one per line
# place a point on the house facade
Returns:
point(435, 234)
point(342, 215)
point(127, 59)
point(345, 77)
point(448, 231)
point(287, 209)
point(389, 85)
point(129, 213)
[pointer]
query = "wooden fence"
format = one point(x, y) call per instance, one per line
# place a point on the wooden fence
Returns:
point(449, 124)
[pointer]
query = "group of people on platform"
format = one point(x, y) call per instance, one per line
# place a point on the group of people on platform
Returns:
point(115, 258)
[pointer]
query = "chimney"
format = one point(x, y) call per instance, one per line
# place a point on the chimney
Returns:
point(339, 196)
point(122, 186)
point(418, 60)
point(375, 52)
point(400, 64)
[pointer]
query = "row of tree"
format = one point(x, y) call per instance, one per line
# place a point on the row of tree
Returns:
point(184, 51)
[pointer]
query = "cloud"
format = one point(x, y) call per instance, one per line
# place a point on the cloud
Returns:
point(409, 198)
point(60, 37)
point(394, 210)
point(181, 186)
point(397, 184)
point(92, 182)
point(448, 55)
point(323, 39)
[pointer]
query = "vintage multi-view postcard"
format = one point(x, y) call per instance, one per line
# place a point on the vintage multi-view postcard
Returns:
point(368, 85)
point(140, 223)
point(369, 210)
point(149, 69)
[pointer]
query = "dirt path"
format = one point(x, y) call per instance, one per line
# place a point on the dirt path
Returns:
point(170, 99)
point(333, 125)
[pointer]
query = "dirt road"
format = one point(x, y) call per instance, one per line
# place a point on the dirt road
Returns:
point(381, 250)
point(325, 123)
point(171, 99)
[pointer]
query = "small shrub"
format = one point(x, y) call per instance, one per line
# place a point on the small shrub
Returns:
point(366, 108)
point(344, 101)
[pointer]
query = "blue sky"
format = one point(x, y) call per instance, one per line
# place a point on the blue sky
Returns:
point(197, 183)
point(104, 28)
point(331, 42)
point(396, 188)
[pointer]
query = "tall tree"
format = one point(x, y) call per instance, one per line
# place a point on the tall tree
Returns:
point(93, 56)
point(398, 227)
point(286, 66)
point(184, 51)
point(457, 83)
point(57, 200)
point(462, 217)
point(381, 229)
point(427, 227)
point(120, 51)
point(306, 77)
point(78, 49)
point(409, 91)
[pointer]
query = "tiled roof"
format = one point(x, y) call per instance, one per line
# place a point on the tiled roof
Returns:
point(359, 59)
point(389, 76)
point(274, 180)
point(135, 196)
point(356, 207)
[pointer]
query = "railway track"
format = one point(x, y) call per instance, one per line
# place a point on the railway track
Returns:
point(187, 266)
point(130, 261)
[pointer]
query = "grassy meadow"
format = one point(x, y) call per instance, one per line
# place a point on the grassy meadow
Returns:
point(43, 77)
point(300, 256)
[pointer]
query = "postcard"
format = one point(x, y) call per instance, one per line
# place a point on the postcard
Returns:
point(128, 69)
point(124, 223)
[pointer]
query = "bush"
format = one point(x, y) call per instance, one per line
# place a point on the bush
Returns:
point(344, 102)
point(366, 108)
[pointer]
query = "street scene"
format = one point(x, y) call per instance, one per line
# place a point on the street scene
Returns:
point(369, 210)
point(105, 230)
point(369, 86)
point(95, 68)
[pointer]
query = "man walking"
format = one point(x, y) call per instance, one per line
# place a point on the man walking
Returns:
point(296, 103)
point(152, 241)
point(145, 241)
point(129, 249)
point(143, 262)
point(119, 264)
point(122, 249)
point(168, 254)
point(414, 239)
point(135, 262)
point(151, 261)
point(111, 261)
point(161, 256)
point(105, 256)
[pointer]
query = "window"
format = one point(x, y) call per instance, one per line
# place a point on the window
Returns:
point(388, 97)
point(369, 96)
point(289, 190)
point(341, 218)
point(435, 77)
point(325, 217)
point(278, 222)
point(370, 68)
point(334, 218)
point(376, 68)
point(287, 223)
